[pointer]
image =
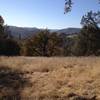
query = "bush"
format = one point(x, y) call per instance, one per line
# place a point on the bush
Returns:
point(9, 47)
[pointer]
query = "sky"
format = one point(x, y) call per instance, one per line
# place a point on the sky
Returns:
point(45, 13)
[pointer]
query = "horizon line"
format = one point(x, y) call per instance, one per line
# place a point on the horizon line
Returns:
point(41, 27)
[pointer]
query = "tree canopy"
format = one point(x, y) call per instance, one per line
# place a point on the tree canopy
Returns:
point(1, 20)
point(68, 5)
point(91, 19)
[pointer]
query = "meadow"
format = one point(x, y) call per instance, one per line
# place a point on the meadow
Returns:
point(54, 78)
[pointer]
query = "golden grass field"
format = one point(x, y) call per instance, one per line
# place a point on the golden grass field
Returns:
point(42, 78)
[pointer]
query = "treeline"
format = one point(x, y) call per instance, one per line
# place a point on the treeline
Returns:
point(8, 46)
point(45, 43)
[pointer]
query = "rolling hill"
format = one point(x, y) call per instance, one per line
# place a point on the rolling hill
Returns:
point(28, 32)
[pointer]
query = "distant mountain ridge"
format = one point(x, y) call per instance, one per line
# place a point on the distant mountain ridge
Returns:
point(69, 30)
point(23, 31)
point(28, 32)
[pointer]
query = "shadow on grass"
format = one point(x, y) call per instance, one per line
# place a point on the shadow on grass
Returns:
point(12, 82)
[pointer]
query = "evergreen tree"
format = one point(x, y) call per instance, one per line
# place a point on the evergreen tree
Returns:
point(37, 45)
point(88, 42)
point(8, 46)
point(1, 27)
point(43, 43)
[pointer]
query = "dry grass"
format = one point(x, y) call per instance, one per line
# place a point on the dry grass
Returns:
point(56, 78)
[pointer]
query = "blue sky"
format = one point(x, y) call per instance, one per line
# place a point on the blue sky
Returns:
point(45, 13)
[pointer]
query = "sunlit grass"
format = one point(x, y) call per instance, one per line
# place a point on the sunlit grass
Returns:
point(57, 77)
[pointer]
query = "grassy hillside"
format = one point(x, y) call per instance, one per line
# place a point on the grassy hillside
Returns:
point(40, 78)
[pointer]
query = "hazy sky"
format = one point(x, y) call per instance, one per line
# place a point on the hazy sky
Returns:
point(44, 13)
